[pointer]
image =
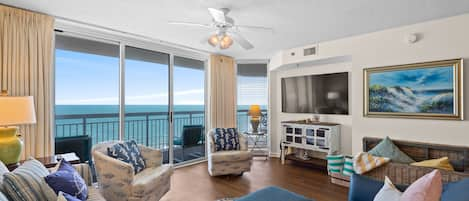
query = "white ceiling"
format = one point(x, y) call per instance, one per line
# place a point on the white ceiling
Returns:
point(296, 22)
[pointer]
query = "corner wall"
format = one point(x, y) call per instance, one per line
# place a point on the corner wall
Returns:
point(438, 40)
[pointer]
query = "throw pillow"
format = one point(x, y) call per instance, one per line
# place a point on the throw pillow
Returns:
point(66, 197)
point(27, 182)
point(226, 139)
point(386, 148)
point(363, 188)
point(66, 179)
point(128, 152)
point(440, 163)
point(335, 163)
point(426, 188)
point(3, 170)
point(364, 162)
point(456, 191)
point(348, 166)
point(388, 192)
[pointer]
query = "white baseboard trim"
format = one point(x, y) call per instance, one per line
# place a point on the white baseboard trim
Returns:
point(275, 155)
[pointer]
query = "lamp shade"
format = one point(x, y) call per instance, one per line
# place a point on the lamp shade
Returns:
point(17, 110)
point(254, 111)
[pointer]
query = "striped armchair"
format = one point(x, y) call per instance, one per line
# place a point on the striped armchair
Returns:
point(228, 162)
point(118, 182)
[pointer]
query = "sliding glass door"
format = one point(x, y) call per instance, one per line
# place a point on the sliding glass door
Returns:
point(147, 98)
point(163, 96)
point(189, 109)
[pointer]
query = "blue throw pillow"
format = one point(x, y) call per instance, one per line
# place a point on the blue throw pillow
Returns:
point(456, 191)
point(226, 139)
point(67, 180)
point(128, 152)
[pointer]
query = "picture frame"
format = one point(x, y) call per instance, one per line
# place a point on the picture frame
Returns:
point(429, 90)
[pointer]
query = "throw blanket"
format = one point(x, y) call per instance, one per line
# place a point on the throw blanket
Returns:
point(364, 162)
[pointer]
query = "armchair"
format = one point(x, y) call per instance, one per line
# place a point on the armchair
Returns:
point(118, 182)
point(228, 162)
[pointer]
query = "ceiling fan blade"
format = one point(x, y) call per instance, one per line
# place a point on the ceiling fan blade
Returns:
point(217, 15)
point(190, 24)
point(241, 40)
point(259, 28)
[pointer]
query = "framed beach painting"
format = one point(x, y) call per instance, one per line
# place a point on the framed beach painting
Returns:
point(431, 90)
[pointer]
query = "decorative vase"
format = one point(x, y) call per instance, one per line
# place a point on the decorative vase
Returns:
point(255, 124)
point(10, 145)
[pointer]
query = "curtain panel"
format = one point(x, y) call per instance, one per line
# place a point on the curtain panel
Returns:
point(222, 87)
point(26, 56)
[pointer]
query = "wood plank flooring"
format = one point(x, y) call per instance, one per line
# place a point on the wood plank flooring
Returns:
point(193, 183)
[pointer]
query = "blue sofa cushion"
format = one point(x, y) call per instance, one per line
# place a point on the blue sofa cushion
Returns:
point(273, 193)
point(363, 188)
point(456, 191)
point(226, 139)
point(128, 152)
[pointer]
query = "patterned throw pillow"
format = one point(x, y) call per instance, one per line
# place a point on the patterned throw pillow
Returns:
point(66, 179)
point(66, 197)
point(348, 166)
point(128, 152)
point(226, 139)
point(27, 183)
point(335, 163)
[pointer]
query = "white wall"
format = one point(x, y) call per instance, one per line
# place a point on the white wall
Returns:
point(439, 40)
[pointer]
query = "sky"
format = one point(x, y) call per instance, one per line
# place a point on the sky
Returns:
point(417, 79)
point(89, 79)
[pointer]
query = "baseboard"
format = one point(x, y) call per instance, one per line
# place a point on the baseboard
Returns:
point(275, 155)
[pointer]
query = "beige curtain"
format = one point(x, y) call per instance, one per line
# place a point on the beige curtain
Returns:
point(222, 84)
point(26, 55)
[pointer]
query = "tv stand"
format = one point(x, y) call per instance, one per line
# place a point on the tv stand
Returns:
point(322, 137)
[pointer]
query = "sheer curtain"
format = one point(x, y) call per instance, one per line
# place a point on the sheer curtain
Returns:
point(26, 55)
point(222, 85)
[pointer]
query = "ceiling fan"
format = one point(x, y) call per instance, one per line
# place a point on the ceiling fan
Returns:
point(226, 31)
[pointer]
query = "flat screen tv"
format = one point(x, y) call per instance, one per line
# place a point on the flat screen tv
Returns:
point(319, 94)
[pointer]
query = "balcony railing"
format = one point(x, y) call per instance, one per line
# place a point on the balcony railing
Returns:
point(149, 128)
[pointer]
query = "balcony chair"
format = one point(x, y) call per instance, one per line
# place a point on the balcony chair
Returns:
point(118, 182)
point(228, 162)
point(192, 138)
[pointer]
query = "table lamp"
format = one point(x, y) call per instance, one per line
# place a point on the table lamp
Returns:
point(14, 111)
point(255, 113)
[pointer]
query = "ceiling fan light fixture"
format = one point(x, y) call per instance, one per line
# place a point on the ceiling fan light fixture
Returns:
point(213, 40)
point(227, 40)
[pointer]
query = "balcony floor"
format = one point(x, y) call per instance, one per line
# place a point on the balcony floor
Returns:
point(193, 182)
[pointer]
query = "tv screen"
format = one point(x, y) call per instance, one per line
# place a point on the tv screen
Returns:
point(320, 94)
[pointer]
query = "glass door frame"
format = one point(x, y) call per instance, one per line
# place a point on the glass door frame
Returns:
point(143, 43)
point(171, 67)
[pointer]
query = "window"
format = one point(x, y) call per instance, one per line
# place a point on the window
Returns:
point(252, 90)
point(161, 108)
point(86, 92)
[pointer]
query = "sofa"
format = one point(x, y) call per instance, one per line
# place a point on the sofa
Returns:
point(117, 179)
point(406, 174)
point(228, 162)
point(85, 172)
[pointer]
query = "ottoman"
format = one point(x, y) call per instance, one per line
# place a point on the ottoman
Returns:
point(273, 193)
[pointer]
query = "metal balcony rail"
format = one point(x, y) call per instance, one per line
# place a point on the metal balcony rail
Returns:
point(148, 128)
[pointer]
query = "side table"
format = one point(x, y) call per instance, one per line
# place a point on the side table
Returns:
point(51, 161)
point(258, 143)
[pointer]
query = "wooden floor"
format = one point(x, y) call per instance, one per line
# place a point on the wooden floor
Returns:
point(193, 183)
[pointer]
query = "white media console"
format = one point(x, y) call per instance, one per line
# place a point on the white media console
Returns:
point(314, 136)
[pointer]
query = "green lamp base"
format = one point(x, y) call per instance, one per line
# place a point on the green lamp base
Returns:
point(10, 145)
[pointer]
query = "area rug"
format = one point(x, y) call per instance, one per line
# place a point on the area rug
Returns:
point(271, 193)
